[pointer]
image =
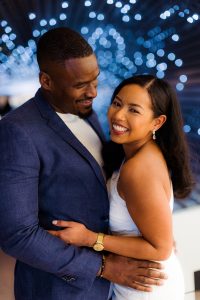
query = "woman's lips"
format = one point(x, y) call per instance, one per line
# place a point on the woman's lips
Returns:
point(118, 129)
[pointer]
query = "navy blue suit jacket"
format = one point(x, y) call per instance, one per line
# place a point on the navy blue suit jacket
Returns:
point(47, 174)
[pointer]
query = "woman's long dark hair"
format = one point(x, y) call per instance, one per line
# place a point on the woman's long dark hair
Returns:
point(170, 137)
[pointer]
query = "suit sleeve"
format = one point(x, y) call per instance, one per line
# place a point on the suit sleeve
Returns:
point(20, 233)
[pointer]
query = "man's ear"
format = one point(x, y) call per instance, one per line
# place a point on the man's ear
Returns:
point(45, 81)
point(159, 121)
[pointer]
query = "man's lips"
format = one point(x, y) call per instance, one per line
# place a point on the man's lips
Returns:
point(85, 102)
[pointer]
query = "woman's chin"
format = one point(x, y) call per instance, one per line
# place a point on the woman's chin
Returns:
point(116, 139)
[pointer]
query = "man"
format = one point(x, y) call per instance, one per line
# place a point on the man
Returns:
point(49, 170)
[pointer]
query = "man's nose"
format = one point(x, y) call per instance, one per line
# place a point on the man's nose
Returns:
point(91, 91)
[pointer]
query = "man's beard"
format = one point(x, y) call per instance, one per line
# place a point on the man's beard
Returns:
point(85, 115)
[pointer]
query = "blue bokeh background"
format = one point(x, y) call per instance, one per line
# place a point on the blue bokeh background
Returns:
point(128, 37)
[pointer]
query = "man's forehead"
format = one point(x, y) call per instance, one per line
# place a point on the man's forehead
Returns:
point(81, 61)
point(83, 67)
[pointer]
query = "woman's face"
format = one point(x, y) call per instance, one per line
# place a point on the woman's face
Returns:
point(131, 117)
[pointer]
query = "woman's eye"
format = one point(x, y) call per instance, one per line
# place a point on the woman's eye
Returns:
point(115, 103)
point(133, 110)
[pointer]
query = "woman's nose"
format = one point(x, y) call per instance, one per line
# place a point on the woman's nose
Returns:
point(120, 114)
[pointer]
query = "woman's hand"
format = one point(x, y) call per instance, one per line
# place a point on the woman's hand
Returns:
point(74, 233)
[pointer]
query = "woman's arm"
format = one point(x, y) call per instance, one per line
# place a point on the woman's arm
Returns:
point(143, 187)
point(148, 205)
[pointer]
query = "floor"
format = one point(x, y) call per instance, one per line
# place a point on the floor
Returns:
point(6, 277)
point(192, 296)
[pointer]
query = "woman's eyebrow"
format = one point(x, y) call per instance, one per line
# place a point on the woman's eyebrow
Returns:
point(131, 104)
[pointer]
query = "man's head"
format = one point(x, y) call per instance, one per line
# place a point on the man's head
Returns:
point(68, 71)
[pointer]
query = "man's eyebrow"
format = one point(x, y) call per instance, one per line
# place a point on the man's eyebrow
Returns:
point(81, 82)
point(131, 104)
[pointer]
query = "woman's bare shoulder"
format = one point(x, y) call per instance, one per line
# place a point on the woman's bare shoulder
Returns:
point(146, 165)
point(144, 176)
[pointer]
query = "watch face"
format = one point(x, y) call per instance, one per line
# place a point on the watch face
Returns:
point(98, 247)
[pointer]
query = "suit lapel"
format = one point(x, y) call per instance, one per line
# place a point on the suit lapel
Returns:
point(56, 124)
point(94, 123)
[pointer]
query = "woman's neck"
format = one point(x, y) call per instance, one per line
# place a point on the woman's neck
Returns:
point(131, 149)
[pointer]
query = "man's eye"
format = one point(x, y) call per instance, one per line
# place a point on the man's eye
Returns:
point(80, 86)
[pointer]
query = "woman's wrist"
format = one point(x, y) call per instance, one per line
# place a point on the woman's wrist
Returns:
point(91, 239)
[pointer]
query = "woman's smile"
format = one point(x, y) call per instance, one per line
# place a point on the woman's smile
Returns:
point(119, 129)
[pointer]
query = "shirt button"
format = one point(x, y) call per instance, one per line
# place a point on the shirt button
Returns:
point(105, 219)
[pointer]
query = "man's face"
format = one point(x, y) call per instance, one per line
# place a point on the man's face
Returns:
point(72, 86)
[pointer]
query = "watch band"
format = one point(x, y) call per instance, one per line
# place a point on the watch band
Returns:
point(100, 238)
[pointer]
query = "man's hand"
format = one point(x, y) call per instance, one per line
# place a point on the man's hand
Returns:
point(134, 273)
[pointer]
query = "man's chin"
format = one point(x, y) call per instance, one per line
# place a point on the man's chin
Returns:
point(86, 114)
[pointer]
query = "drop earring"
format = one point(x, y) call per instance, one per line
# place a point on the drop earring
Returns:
point(154, 135)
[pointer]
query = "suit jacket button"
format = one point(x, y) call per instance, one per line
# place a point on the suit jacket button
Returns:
point(68, 278)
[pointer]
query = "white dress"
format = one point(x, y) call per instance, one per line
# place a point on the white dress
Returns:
point(121, 223)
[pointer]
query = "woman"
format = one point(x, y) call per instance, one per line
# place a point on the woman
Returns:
point(146, 128)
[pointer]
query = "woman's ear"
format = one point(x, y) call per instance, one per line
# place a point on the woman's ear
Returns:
point(45, 81)
point(159, 121)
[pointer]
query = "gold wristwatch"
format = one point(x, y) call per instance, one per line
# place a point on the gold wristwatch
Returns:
point(98, 246)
